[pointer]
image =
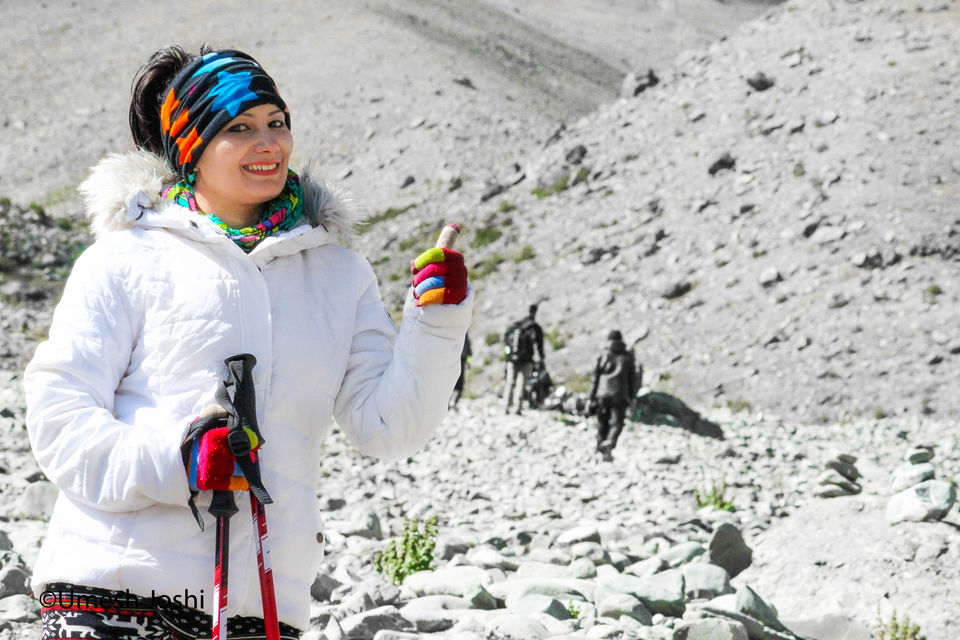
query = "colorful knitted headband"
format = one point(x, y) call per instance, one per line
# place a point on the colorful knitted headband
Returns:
point(207, 94)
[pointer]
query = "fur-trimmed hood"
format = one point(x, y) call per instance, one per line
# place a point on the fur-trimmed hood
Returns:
point(121, 178)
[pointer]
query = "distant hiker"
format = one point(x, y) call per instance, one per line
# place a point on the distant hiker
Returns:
point(523, 342)
point(207, 246)
point(465, 354)
point(614, 385)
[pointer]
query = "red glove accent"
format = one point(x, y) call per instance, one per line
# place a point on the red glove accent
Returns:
point(448, 266)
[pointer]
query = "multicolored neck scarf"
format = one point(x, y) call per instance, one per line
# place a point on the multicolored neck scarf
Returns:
point(280, 214)
point(205, 95)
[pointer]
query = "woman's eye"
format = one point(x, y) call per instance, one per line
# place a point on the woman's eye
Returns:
point(238, 128)
point(277, 124)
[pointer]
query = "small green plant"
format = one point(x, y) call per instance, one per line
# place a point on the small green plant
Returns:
point(562, 184)
point(486, 235)
point(487, 266)
point(555, 339)
point(411, 552)
point(574, 611)
point(738, 405)
point(526, 253)
point(506, 206)
point(934, 290)
point(898, 630)
point(491, 339)
point(713, 496)
point(387, 214)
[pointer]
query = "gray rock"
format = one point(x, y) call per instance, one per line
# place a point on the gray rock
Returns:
point(845, 469)
point(662, 593)
point(586, 533)
point(538, 603)
point(37, 501)
point(907, 475)
point(448, 581)
point(833, 484)
point(323, 587)
point(480, 598)
point(508, 626)
point(770, 277)
point(389, 634)
point(760, 81)
point(5, 543)
point(365, 624)
point(646, 568)
point(591, 551)
point(928, 501)
point(430, 614)
point(489, 558)
point(19, 608)
point(562, 589)
point(615, 605)
point(636, 82)
point(365, 524)
point(682, 553)
point(749, 603)
point(919, 454)
point(728, 550)
point(711, 629)
point(14, 580)
point(702, 580)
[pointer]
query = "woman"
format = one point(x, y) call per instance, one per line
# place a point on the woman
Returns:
point(208, 246)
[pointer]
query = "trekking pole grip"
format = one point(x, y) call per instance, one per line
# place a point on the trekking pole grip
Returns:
point(448, 236)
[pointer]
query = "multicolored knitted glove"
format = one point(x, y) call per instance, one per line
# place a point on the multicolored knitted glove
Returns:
point(439, 277)
point(207, 456)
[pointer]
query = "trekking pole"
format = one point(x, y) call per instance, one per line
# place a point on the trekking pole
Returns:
point(238, 397)
point(222, 506)
point(267, 594)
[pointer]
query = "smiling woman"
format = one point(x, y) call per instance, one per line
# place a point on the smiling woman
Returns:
point(210, 245)
point(244, 166)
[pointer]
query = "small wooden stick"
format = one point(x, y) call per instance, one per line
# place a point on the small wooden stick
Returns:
point(448, 237)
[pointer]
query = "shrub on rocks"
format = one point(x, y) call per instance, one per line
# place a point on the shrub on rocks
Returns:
point(411, 552)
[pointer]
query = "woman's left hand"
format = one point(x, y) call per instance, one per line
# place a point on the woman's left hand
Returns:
point(439, 277)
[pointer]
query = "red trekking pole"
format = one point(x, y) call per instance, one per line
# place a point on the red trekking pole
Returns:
point(222, 506)
point(238, 397)
point(267, 595)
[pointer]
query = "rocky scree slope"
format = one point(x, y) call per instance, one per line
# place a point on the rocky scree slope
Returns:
point(773, 223)
point(523, 498)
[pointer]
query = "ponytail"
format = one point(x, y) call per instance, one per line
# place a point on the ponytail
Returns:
point(148, 90)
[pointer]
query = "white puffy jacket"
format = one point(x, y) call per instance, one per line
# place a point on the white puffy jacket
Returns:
point(137, 348)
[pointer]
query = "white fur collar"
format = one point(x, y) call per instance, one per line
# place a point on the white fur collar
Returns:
point(120, 175)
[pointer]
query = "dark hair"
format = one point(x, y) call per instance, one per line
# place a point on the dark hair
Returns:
point(148, 90)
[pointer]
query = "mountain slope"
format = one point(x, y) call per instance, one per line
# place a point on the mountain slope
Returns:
point(811, 223)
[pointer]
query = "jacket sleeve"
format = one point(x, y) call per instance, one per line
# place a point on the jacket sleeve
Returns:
point(395, 390)
point(70, 388)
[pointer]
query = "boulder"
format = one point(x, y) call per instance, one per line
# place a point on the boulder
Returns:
point(907, 475)
point(710, 629)
point(703, 580)
point(448, 581)
point(728, 550)
point(928, 501)
point(366, 624)
point(662, 593)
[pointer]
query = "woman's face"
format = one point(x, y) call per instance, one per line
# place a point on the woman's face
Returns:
point(244, 166)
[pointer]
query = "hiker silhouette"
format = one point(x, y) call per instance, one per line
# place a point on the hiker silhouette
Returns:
point(523, 346)
point(615, 382)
